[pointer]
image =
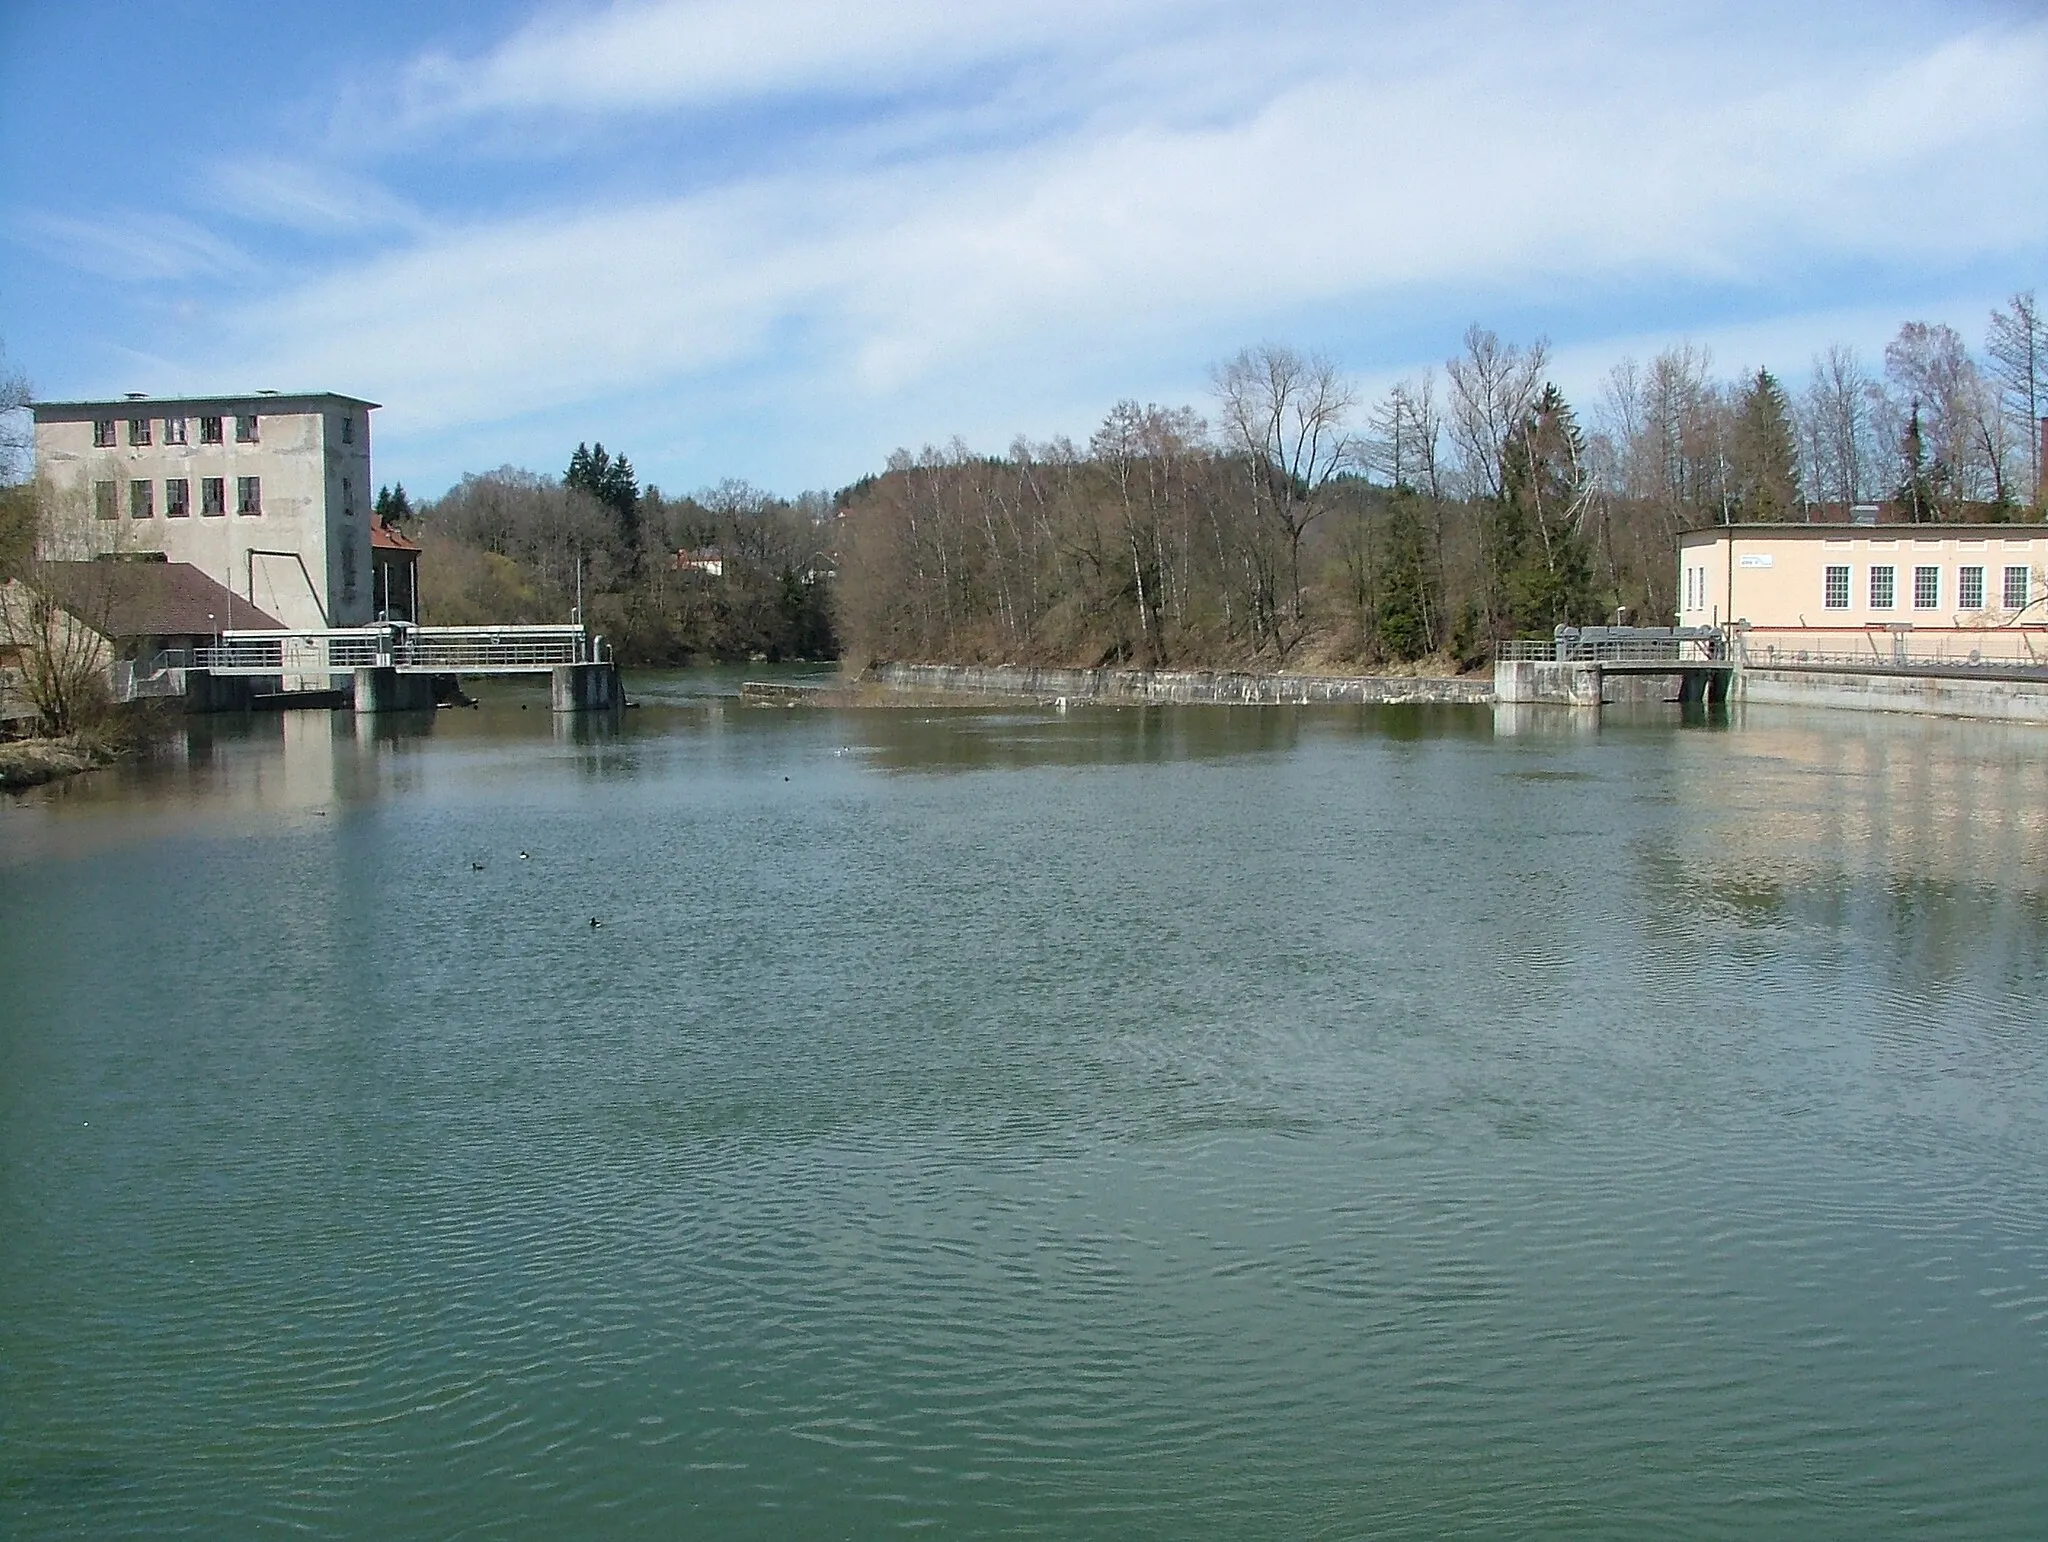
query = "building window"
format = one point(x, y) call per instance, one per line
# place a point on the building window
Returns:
point(104, 504)
point(209, 430)
point(1970, 588)
point(138, 430)
point(142, 500)
point(1882, 582)
point(348, 428)
point(2015, 588)
point(174, 430)
point(177, 498)
point(1837, 594)
point(102, 433)
point(245, 428)
point(1926, 588)
point(248, 495)
point(213, 496)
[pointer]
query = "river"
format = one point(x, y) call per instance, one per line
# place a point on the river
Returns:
point(1122, 1122)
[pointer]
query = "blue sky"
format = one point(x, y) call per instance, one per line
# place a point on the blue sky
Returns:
point(776, 239)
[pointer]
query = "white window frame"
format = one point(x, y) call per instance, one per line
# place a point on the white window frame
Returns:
point(174, 431)
point(1926, 587)
point(1888, 575)
point(1835, 579)
point(1968, 578)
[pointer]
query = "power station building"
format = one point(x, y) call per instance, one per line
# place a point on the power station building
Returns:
point(269, 495)
point(1968, 593)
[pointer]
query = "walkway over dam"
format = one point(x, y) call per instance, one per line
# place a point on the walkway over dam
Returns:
point(391, 667)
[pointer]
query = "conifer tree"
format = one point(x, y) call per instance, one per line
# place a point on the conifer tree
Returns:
point(1538, 558)
point(1766, 469)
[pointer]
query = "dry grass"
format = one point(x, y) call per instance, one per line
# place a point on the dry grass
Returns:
point(31, 762)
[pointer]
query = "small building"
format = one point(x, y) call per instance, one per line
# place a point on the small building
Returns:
point(707, 560)
point(267, 494)
point(133, 620)
point(1877, 591)
point(394, 573)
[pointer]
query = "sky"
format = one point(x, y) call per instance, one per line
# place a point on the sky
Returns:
point(775, 240)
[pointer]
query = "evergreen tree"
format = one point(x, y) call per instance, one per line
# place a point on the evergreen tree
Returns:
point(1538, 560)
point(1409, 599)
point(1766, 469)
point(393, 507)
point(1916, 492)
point(610, 480)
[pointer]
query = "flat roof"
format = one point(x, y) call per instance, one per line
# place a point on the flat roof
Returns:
point(1889, 528)
point(127, 403)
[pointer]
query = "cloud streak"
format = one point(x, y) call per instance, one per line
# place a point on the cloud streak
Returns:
point(1026, 200)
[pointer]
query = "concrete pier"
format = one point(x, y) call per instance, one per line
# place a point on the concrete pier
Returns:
point(587, 688)
point(389, 690)
point(1532, 683)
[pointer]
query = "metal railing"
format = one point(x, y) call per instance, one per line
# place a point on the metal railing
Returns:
point(1617, 645)
point(467, 650)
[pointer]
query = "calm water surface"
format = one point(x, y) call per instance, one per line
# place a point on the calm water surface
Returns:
point(1201, 1122)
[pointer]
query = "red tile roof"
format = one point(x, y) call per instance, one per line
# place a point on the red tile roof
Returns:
point(150, 599)
point(384, 538)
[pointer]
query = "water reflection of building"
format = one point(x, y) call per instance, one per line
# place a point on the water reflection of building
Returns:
point(1888, 797)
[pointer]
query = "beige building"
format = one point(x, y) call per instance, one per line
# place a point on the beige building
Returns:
point(268, 495)
point(1885, 591)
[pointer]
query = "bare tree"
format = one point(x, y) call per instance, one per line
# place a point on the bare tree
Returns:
point(2017, 351)
point(1937, 387)
point(15, 432)
point(1493, 385)
point(1284, 413)
point(1836, 426)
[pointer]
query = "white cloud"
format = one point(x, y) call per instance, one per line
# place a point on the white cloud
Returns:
point(1171, 183)
point(297, 196)
point(126, 247)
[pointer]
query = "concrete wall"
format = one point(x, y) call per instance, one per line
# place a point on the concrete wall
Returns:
point(1177, 685)
point(2016, 701)
point(305, 558)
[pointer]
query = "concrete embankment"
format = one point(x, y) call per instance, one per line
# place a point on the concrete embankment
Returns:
point(1973, 694)
point(1191, 686)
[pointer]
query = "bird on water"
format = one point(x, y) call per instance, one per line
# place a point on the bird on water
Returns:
point(595, 922)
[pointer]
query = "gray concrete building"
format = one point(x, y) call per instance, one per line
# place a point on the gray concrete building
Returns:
point(268, 494)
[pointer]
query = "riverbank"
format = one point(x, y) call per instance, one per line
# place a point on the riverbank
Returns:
point(32, 762)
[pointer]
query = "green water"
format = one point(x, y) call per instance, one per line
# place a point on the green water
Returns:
point(1198, 1122)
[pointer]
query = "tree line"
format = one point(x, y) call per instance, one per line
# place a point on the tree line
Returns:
point(512, 546)
point(1299, 523)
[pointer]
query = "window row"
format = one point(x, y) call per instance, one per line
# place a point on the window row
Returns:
point(2015, 591)
point(212, 430)
point(213, 498)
